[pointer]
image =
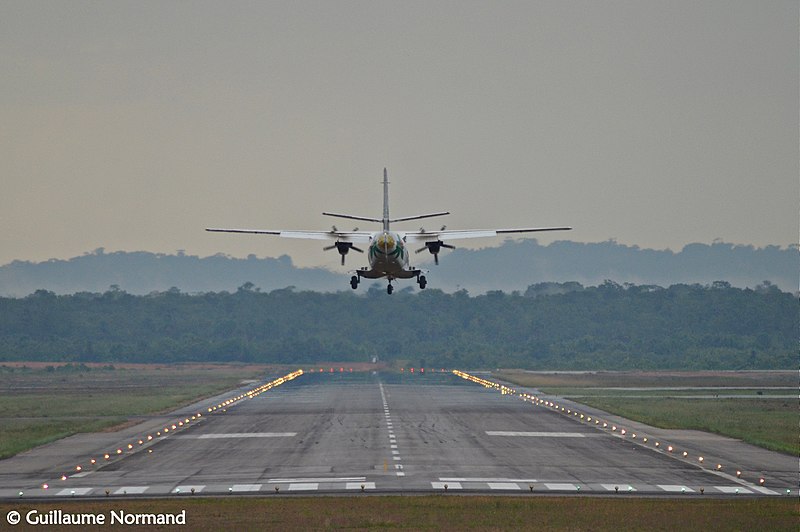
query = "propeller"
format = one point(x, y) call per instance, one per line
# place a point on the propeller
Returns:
point(435, 248)
point(343, 248)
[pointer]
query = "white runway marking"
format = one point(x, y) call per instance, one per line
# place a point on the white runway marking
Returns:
point(481, 479)
point(673, 488)
point(246, 487)
point(556, 486)
point(503, 486)
point(131, 490)
point(623, 487)
point(539, 434)
point(74, 491)
point(81, 474)
point(732, 489)
point(322, 479)
point(236, 435)
point(763, 490)
point(188, 489)
point(450, 485)
point(303, 486)
point(357, 485)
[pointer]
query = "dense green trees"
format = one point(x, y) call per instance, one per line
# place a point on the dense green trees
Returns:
point(551, 326)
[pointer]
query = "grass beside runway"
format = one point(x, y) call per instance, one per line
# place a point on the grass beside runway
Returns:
point(40, 404)
point(446, 512)
point(767, 422)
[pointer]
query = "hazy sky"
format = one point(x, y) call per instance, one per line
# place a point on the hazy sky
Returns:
point(135, 125)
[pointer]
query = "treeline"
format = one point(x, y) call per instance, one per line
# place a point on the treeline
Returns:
point(549, 326)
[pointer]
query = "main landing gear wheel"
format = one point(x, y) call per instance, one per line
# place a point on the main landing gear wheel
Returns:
point(423, 282)
point(389, 289)
point(354, 282)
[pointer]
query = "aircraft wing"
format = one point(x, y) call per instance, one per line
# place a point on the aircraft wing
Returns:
point(345, 236)
point(427, 236)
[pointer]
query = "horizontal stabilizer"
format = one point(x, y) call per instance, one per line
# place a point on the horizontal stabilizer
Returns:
point(352, 217)
point(419, 216)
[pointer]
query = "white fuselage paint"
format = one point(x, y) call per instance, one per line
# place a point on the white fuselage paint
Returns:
point(388, 256)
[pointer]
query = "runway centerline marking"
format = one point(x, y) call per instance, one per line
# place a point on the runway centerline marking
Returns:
point(131, 490)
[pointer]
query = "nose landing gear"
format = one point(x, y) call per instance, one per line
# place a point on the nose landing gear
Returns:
point(422, 281)
point(354, 282)
point(390, 289)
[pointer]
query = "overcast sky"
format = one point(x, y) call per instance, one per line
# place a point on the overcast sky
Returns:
point(135, 125)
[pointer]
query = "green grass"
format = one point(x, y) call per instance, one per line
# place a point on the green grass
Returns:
point(651, 379)
point(768, 423)
point(42, 404)
point(771, 423)
point(440, 512)
point(710, 393)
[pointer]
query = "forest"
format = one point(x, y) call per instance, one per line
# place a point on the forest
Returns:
point(548, 326)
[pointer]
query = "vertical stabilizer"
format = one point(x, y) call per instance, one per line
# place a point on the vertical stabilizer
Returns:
point(385, 200)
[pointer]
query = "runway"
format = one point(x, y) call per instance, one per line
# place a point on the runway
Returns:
point(375, 433)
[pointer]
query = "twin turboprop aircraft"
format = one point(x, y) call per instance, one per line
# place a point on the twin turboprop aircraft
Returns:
point(386, 249)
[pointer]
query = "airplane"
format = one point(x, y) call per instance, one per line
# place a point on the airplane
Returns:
point(387, 253)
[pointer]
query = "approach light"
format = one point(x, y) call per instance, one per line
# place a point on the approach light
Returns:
point(700, 458)
point(63, 477)
point(761, 481)
point(719, 466)
point(45, 486)
point(738, 473)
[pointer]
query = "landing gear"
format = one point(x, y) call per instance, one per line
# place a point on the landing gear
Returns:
point(390, 289)
point(423, 282)
point(354, 282)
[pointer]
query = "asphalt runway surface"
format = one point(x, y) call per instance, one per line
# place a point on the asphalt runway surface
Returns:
point(384, 433)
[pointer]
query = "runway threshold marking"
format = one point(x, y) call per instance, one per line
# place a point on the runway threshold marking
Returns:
point(503, 486)
point(539, 434)
point(451, 485)
point(236, 435)
point(74, 491)
point(732, 489)
point(358, 485)
point(303, 486)
point(673, 488)
point(318, 480)
point(188, 489)
point(483, 479)
point(246, 487)
point(131, 490)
